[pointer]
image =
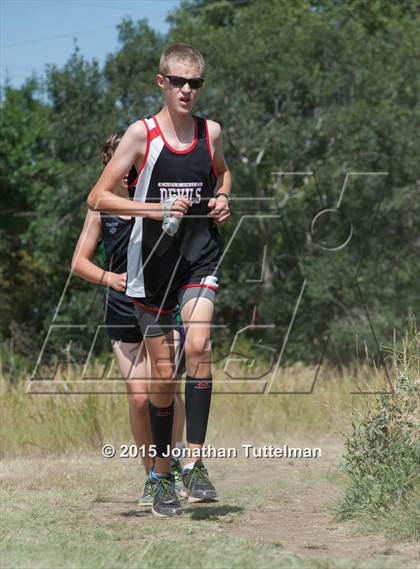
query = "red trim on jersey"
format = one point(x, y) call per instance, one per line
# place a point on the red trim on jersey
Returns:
point(136, 177)
point(146, 154)
point(200, 285)
point(143, 162)
point(151, 308)
point(134, 184)
point(209, 149)
point(192, 145)
point(154, 133)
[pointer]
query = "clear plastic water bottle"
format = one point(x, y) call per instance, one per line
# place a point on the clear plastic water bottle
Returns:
point(170, 224)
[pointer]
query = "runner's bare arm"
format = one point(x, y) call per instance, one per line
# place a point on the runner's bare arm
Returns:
point(86, 246)
point(130, 151)
point(220, 210)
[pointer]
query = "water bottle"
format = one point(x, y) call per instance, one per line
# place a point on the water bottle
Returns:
point(170, 225)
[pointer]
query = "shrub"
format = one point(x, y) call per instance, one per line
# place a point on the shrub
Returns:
point(382, 452)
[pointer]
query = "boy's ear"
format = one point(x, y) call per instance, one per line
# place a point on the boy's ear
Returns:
point(160, 80)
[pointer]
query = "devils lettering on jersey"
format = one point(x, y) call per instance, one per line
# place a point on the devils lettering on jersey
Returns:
point(189, 190)
point(153, 256)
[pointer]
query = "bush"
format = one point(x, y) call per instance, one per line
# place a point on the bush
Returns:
point(382, 457)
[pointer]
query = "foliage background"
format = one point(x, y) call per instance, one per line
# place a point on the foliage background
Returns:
point(308, 86)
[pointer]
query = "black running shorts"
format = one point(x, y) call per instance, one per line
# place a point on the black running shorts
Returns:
point(120, 318)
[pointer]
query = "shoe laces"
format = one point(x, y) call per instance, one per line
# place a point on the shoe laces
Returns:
point(165, 486)
point(148, 487)
point(199, 472)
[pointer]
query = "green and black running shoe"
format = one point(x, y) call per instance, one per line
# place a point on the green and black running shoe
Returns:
point(148, 493)
point(179, 483)
point(197, 483)
point(165, 500)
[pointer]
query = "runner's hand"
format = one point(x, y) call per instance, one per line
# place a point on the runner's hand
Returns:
point(117, 281)
point(180, 207)
point(220, 211)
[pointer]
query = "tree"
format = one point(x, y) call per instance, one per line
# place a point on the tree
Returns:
point(308, 86)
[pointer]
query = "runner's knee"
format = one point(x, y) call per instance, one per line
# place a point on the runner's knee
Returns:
point(139, 402)
point(197, 345)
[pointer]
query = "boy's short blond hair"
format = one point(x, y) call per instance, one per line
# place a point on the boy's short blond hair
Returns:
point(183, 53)
point(110, 145)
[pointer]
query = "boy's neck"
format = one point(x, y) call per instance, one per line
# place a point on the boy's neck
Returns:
point(174, 120)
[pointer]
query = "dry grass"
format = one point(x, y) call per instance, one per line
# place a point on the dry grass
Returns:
point(36, 424)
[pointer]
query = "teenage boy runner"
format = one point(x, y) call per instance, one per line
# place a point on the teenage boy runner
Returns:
point(122, 326)
point(182, 174)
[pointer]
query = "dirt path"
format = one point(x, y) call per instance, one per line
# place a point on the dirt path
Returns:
point(300, 515)
point(284, 505)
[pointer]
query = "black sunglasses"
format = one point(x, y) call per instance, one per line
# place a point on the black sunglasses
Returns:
point(177, 81)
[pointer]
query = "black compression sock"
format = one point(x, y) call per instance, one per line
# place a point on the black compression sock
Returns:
point(197, 407)
point(161, 419)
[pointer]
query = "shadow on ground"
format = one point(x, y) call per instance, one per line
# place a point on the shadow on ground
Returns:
point(212, 513)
